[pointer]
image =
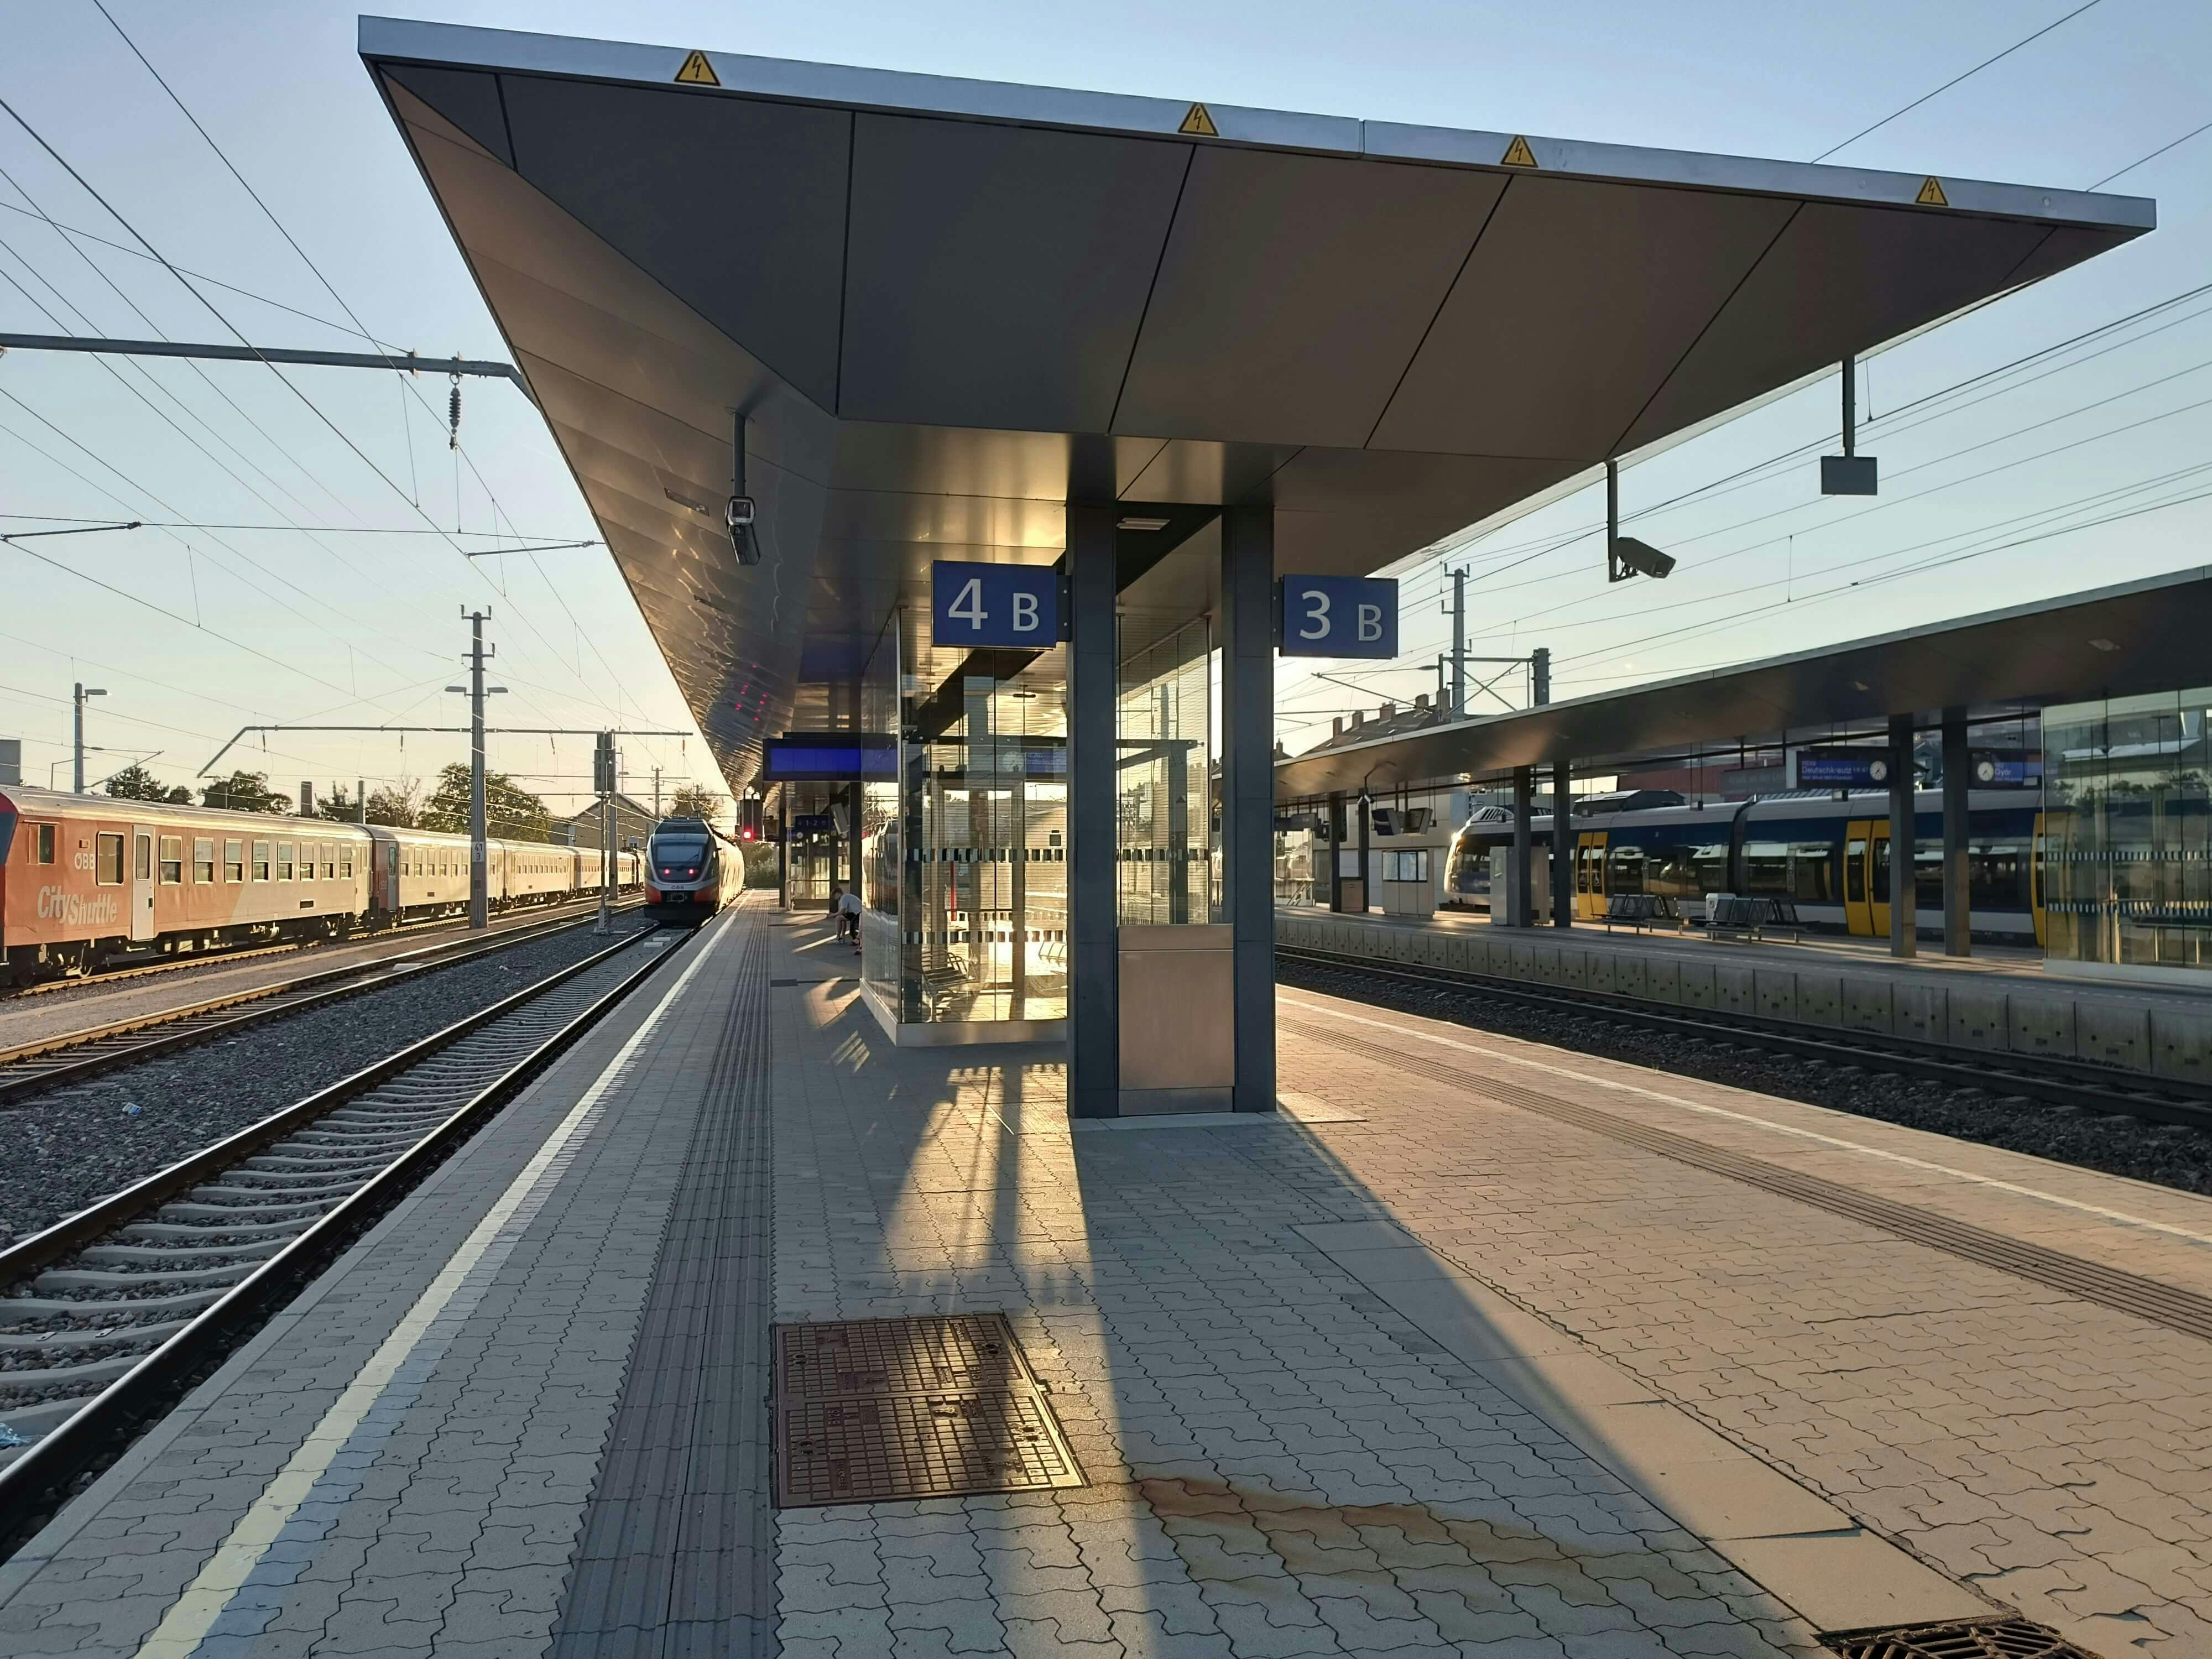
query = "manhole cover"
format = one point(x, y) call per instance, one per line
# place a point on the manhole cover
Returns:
point(872, 1410)
point(1996, 1638)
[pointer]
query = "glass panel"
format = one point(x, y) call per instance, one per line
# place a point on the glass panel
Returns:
point(173, 860)
point(1168, 840)
point(202, 860)
point(108, 862)
point(2128, 838)
point(233, 860)
point(143, 860)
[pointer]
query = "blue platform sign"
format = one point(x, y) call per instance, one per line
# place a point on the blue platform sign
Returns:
point(1340, 616)
point(994, 604)
point(1841, 769)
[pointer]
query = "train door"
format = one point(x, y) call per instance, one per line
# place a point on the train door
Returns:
point(1858, 860)
point(1589, 876)
point(142, 885)
point(1881, 870)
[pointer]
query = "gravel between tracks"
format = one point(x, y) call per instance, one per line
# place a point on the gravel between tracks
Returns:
point(70, 1147)
point(2168, 1155)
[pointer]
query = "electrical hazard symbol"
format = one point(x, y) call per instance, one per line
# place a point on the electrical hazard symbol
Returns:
point(1199, 124)
point(1931, 193)
point(697, 72)
point(1519, 155)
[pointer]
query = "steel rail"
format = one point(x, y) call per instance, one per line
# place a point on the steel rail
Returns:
point(2056, 1081)
point(22, 1076)
point(34, 1483)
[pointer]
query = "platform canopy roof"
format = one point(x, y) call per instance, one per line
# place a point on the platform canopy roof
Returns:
point(947, 307)
point(2138, 638)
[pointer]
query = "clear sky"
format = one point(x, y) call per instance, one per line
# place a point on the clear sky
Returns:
point(196, 632)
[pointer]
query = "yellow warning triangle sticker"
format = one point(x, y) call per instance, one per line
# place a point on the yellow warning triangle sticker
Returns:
point(1519, 155)
point(1199, 124)
point(698, 72)
point(1931, 193)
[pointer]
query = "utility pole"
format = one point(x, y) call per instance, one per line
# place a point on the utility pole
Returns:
point(479, 853)
point(360, 800)
point(603, 780)
point(76, 785)
point(656, 794)
point(1459, 645)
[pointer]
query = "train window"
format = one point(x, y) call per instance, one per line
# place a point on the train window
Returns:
point(203, 859)
point(108, 860)
point(1855, 870)
point(345, 861)
point(1766, 866)
point(1624, 871)
point(1881, 869)
point(284, 860)
point(261, 861)
point(173, 860)
point(42, 849)
point(1813, 870)
point(144, 860)
point(233, 860)
point(330, 861)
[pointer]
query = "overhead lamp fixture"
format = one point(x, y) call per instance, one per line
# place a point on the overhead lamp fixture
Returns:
point(700, 508)
point(1137, 522)
point(1625, 556)
point(1850, 473)
point(2104, 644)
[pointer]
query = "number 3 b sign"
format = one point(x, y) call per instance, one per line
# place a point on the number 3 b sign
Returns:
point(994, 604)
point(1339, 617)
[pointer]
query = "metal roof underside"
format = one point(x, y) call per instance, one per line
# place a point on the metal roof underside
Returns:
point(949, 306)
point(2142, 636)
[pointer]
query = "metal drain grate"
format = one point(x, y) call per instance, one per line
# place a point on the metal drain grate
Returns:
point(2000, 1639)
point(875, 1410)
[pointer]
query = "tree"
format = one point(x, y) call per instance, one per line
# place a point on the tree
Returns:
point(398, 805)
point(245, 791)
point(692, 801)
point(134, 782)
point(511, 813)
point(337, 806)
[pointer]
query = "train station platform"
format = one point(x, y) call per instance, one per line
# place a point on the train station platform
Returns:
point(1997, 1001)
point(1476, 1346)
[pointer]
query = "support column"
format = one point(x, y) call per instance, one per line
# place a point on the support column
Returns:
point(1365, 806)
point(1563, 845)
point(1904, 928)
point(1516, 900)
point(1094, 1013)
point(1958, 777)
point(1336, 852)
point(1248, 792)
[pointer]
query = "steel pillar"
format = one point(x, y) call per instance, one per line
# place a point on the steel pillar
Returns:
point(1563, 845)
point(1904, 888)
point(1958, 778)
point(1247, 791)
point(1094, 1012)
point(1336, 851)
point(1518, 907)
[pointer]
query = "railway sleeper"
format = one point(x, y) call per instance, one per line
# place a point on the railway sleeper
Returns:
point(103, 1370)
point(372, 1158)
point(295, 1193)
point(200, 1231)
point(90, 1279)
point(33, 1342)
point(300, 1210)
point(49, 1307)
point(126, 1254)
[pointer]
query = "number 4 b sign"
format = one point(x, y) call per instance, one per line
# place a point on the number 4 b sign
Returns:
point(1339, 617)
point(994, 604)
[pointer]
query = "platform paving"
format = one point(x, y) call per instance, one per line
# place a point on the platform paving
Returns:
point(1419, 1365)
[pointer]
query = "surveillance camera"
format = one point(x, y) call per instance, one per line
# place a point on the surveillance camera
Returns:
point(744, 541)
point(1635, 558)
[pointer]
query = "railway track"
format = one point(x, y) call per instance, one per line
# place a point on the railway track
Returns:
point(69, 1057)
point(2052, 1080)
point(221, 958)
point(119, 1307)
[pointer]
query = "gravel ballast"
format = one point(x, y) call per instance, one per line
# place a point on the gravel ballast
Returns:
point(2170, 1155)
point(77, 1145)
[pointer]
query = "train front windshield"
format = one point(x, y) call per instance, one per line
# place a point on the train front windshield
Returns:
point(678, 857)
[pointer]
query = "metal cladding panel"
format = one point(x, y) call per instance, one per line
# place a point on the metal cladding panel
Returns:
point(1655, 266)
point(1204, 474)
point(1830, 288)
point(736, 207)
point(1013, 301)
point(1293, 293)
point(467, 98)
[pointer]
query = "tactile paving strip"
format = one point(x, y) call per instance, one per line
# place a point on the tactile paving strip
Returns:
point(871, 1411)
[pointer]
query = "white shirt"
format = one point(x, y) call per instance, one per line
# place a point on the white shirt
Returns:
point(849, 904)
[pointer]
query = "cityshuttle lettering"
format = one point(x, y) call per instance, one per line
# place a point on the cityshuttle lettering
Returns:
point(60, 904)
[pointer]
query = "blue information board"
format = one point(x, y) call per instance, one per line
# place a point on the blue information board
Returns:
point(1831, 768)
point(994, 604)
point(1339, 617)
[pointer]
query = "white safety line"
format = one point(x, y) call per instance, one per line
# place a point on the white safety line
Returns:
point(1511, 1059)
point(194, 1613)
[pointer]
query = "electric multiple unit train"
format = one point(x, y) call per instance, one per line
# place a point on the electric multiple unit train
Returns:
point(86, 879)
point(1830, 856)
point(684, 871)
